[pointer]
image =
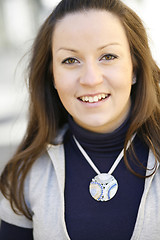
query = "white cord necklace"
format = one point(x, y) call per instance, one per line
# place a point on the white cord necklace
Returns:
point(103, 186)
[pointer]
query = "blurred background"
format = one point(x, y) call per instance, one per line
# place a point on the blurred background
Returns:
point(19, 23)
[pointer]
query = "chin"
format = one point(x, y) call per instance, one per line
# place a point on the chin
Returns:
point(97, 126)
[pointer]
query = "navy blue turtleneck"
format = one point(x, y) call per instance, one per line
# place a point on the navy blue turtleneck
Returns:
point(86, 218)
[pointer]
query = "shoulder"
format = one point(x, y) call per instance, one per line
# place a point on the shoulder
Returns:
point(41, 178)
point(40, 182)
point(42, 171)
point(53, 155)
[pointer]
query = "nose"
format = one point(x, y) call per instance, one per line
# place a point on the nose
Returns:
point(91, 75)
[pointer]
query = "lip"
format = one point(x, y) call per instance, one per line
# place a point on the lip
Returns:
point(94, 99)
point(92, 94)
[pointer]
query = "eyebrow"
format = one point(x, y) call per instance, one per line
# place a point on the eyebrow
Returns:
point(67, 49)
point(100, 48)
point(109, 44)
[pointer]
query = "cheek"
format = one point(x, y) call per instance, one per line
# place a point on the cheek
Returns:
point(62, 78)
point(120, 78)
point(63, 87)
point(60, 81)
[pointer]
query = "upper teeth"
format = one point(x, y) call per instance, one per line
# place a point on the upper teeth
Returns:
point(93, 99)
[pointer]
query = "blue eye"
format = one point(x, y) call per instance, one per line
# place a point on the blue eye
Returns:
point(109, 57)
point(69, 61)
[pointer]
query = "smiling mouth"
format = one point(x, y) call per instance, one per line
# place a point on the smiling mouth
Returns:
point(94, 99)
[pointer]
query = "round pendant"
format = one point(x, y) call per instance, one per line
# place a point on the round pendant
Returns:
point(103, 187)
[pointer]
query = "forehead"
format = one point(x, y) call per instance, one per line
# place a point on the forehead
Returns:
point(95, 26)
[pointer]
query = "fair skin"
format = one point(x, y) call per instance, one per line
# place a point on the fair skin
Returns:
point(93, 69)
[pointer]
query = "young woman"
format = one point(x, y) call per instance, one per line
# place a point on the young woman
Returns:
point(88, 165)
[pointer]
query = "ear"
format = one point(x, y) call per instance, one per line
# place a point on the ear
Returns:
point(54, 84)
point(134, 79)
point(135, 67)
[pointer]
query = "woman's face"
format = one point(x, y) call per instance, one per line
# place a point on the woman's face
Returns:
point(93, 69)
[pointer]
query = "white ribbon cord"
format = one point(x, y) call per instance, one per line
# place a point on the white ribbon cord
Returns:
point(86, 156)
point(118, 159)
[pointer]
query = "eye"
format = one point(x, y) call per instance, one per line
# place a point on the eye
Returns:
point(109, 57)
point(70, 61)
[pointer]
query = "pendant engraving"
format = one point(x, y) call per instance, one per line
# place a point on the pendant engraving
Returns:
point(103, 187)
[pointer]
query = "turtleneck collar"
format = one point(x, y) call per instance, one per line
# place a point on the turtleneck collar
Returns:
point(100, 142)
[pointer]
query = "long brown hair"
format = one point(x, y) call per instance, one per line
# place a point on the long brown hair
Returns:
point(47, 113)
